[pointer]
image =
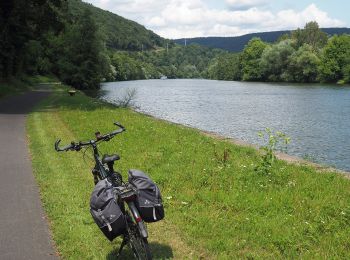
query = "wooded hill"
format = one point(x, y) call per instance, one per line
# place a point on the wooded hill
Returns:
point(119, 33)
point(236, 44)
point(71, 39)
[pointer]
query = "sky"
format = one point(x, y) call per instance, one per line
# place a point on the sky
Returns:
point(201, 18)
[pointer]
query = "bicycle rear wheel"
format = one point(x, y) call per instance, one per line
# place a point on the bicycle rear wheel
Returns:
point(139, 245)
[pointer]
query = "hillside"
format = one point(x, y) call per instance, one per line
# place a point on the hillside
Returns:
point(120, 33)
point(236, 44)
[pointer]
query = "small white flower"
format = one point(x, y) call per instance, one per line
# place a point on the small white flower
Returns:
point(184, 203)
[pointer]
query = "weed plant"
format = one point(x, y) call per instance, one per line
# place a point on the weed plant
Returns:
point(275, 141)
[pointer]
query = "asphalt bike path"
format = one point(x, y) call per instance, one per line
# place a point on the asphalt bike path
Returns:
point(24, 231)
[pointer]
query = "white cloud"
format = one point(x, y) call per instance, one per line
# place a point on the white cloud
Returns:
point(310, 13)
point(193, 18)
point(225, 30)
point(245, 4)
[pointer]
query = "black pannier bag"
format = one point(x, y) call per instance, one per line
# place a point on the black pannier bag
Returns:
point(149, 199)
point(105, 211)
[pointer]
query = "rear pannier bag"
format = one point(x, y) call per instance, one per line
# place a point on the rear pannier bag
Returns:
point(105, 211)
point(149, 200)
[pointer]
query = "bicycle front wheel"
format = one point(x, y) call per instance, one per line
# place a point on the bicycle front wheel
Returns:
point(139, 245)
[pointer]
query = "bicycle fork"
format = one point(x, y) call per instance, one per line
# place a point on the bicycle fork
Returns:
point(140, 225)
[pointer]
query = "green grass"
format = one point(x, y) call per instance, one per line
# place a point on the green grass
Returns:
point(37, 79)
point(15, 86)
point(12, 86)
point(214, 208)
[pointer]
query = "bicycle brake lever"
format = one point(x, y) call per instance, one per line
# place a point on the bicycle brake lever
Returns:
point(56, 145)
point(119, 125)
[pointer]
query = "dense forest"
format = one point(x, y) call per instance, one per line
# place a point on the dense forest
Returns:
point(42, 37)
point(237, 43)
point(83, 45)
point(119, 33)
point(305, 55)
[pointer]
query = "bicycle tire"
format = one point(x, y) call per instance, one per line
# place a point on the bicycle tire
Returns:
point(139, 245)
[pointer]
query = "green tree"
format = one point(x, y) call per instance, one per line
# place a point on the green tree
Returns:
point(127, 68)
point(303, 65)
point(284, 37)
point(311, 34)
point(346, 73)
point(21, 23)
point(335, 59)
point(225, 67)
point(274, 60)
point(83, 63)
point(191, 61)
point(251, 56)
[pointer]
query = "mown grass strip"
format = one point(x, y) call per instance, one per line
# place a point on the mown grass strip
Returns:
point(215, 208)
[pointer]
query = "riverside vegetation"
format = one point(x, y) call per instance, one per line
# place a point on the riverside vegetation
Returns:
point(83, 45)
point(306, 55)
point(217, 205)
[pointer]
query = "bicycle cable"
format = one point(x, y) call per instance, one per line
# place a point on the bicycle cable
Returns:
point(84, 154)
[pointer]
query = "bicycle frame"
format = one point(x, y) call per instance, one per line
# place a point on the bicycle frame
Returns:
point(124, 192)
point(102, 172)
point(98, 164)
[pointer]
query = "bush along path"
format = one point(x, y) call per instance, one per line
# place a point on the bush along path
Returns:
point(24, 232)
point(217, 205)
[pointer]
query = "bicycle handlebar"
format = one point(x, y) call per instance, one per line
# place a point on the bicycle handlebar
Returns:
point(77, 146)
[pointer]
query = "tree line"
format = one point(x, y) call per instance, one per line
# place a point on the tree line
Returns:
point(82, 46)
point(41, 37)
point(305, 55)
point(174, 62)
point(72, 40)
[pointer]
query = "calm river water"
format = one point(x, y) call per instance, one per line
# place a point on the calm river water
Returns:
point(316, 117)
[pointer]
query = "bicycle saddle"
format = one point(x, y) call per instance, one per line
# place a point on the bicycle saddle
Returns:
point(110, 158)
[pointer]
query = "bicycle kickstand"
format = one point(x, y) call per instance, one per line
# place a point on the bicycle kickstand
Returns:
point(124, 242)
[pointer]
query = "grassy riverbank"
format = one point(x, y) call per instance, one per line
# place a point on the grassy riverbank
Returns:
point(216, 207)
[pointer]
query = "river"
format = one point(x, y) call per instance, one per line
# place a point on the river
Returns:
point(315, 116)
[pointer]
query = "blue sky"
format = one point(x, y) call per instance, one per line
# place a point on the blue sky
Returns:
point(195, 18)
